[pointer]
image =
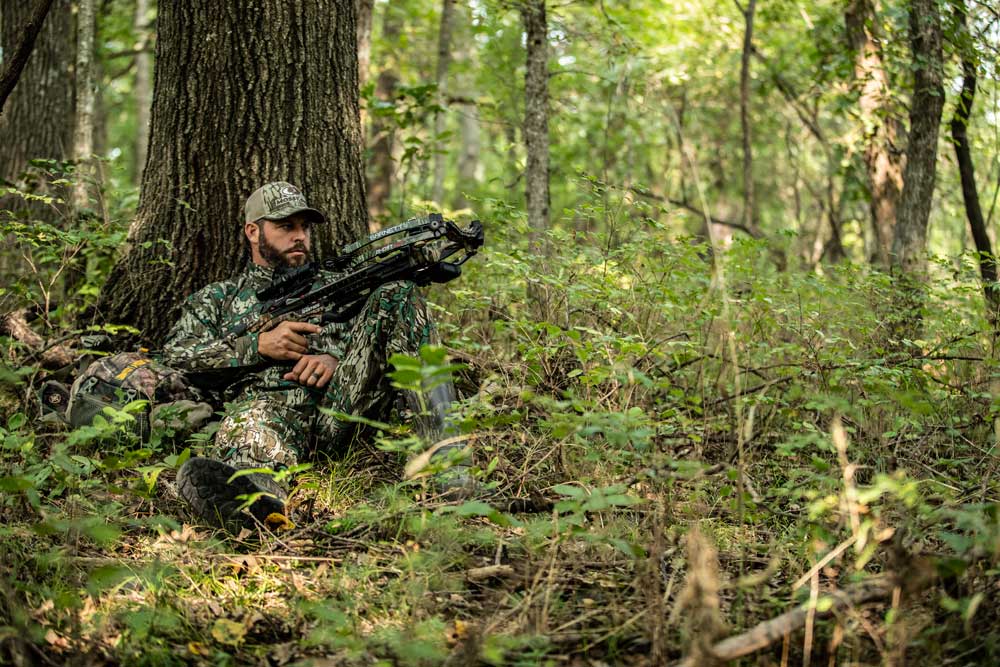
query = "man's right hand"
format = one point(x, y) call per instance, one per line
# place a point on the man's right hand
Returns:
point(287, 341)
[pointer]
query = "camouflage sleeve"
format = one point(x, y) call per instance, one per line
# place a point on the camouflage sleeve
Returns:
point(196, 341)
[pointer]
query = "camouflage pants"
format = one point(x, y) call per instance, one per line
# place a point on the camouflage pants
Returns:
point(271, 430)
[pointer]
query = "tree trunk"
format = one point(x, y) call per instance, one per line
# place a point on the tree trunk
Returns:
point(884, 161)
point(470, 169)
point(536, 119)
point(12, 66)
point(37, 120)
point(963, 153)
point(235, 106)
point(365, 9)
point(143, 85)
point(83, 132)
point(926, 106)
point(749, 219)
point(441, 77)
point(383, 130)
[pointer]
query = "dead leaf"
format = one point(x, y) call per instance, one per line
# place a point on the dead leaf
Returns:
point(197, 648)
point(228, 632)
point(56, 640)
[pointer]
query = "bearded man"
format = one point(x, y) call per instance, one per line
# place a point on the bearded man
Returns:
point(273, 420)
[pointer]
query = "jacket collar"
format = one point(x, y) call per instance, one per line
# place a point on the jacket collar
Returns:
point(258, 276)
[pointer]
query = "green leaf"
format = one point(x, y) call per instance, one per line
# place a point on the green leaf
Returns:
point(106, 577)
point(570, 490)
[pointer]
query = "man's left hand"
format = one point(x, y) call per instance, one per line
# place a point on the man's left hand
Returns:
point(313, 370)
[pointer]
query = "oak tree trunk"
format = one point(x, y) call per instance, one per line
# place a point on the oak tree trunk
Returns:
point(536, 118)
point(244, 93)
point(37, 119)
point(12, 64)
point(883, 156)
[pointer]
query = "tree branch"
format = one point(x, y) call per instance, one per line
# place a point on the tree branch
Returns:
point(694, 209)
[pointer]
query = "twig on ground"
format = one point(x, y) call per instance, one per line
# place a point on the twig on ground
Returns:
point(764, 634)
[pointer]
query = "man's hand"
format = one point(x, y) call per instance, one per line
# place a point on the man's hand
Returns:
point(313, 370)
point(286, 342)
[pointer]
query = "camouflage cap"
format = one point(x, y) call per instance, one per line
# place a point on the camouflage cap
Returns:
point(278, 200)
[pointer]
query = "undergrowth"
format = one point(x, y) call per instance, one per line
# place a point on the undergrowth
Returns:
point(667, 460)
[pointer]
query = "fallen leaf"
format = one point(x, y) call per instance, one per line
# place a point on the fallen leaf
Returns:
point(228, 632)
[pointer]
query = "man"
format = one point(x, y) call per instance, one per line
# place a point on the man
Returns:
point(274, 421)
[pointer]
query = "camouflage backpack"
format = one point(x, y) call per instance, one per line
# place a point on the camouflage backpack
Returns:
point(121, 378)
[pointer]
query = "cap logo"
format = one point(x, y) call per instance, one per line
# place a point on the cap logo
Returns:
point(275, 199)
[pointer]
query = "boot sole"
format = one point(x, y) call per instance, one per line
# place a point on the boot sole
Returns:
point(204, 484)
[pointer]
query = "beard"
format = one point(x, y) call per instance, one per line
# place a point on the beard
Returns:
point(277, 259)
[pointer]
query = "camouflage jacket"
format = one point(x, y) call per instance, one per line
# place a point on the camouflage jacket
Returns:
point(199, 341)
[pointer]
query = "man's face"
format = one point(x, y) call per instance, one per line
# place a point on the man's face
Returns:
point(280, 243)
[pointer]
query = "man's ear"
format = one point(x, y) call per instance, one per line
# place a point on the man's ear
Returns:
point(252, 230)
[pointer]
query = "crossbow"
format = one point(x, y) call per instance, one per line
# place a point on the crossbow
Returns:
point(422, 250)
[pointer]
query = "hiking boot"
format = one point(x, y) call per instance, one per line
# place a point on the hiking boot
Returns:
point(204, 484)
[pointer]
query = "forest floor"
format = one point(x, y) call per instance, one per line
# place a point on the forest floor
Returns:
point(674, 472)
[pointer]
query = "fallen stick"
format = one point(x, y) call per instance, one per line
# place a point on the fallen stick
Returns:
point(16, 325)
point(768, 632)
point(478, 574)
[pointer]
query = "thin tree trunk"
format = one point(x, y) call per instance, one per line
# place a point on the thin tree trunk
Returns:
point(383, 166)
point(441, 77)
point(470, 169)
point(536, 119)
point(83, 134)
point(11, 72)
point(143, 86)
point(970, 195)
point(884, 160)
point(749, 219)
point(365, 10)
point(910, 244)
point(293, 117)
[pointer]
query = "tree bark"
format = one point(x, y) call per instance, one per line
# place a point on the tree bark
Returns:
point(383, 166)
point(536, 119)
point(83, 132)
point(967, 174)
point(441, 77)
point(143, 85)
point(37, 120)
point(884, 160)
point(926, 106)
point(11, 72)
point(244, 93)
